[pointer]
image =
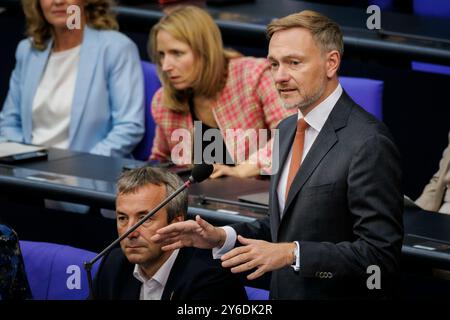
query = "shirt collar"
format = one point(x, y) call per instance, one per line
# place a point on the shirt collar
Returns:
point(161, 275)
point(316, 117)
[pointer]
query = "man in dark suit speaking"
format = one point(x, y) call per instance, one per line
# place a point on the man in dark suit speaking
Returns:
point(140, 270)
point(336, 204)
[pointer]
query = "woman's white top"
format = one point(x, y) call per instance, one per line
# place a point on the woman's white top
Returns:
point(52, 102)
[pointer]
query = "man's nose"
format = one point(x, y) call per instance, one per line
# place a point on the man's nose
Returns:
point(135, 233)
point(281, 75)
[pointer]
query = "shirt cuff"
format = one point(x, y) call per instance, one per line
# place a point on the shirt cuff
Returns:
point(296, 265)
point(229, 243)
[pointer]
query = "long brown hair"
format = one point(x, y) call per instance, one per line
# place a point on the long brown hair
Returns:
point(197, 29)
point(98, 16)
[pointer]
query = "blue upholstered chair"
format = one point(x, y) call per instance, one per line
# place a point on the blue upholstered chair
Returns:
point(430, 67)
point(367, 93)
point(436, 9)
point(56, 272)
point(152, 84)
point(383, 4)
point(256, 294)
point(432, 8)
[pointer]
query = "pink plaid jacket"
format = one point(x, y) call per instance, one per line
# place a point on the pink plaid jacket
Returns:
point(249, 100)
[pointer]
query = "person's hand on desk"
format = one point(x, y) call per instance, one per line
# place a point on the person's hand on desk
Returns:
point(243, 170)
point(262, 255)
point(190, 233)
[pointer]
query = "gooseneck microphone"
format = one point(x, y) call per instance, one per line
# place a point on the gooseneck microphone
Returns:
point(199, 173)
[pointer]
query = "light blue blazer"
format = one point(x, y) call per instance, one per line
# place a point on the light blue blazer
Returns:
point(107, 116)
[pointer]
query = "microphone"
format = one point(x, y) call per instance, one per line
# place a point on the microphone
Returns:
point(199, 173)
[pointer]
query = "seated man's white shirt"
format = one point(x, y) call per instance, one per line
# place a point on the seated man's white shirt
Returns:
point(153, 288)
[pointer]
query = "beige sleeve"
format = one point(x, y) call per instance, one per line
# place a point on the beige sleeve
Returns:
point(427, 199)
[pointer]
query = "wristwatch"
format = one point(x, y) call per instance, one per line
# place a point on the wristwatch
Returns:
point(296, 252)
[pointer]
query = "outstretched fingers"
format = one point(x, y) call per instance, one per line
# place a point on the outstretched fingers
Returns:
point(184, 226)
point(173, 246)
point(257, 273)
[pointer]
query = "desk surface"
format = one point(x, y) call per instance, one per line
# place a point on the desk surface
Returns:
point(427, 237)
point(90, 179)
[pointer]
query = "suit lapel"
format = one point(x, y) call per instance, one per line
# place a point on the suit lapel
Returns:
point(324, 142)
point(326, 139)
point(124, 286)
point(131, 289)
point(176, 275)
point(37, 63)
point(285, 141)
point(86, 67)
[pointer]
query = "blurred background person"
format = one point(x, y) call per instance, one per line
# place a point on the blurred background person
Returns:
point(13, 280)
point(436, 194)
point(78, 88)
point(204, 82)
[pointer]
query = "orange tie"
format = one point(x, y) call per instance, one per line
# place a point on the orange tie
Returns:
point(297, 153)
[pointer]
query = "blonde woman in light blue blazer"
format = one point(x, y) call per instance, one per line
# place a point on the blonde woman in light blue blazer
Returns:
point(106, 115)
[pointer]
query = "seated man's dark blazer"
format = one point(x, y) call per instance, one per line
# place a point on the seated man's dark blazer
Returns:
point(195, 275)
point(344, 207)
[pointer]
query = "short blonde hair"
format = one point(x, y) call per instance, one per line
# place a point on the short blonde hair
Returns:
point(98, 16)
point(196, 28)
point(326, 33)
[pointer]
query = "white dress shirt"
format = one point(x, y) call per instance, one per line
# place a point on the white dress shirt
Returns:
point(316, 118)
point(52, 103)
point(153, 288)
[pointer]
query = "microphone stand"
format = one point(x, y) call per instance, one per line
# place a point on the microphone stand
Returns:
point(88, 265)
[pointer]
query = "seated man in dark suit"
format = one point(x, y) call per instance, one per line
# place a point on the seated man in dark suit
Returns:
point(140, 269)
point(13, 280)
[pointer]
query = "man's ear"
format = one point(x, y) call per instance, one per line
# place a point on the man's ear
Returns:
point(333, 63)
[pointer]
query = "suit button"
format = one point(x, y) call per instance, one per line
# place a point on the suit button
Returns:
point(317, 274)
point(330, 275)
point(321, 275)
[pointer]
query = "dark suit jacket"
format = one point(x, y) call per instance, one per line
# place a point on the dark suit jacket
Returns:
point(344, 207)
point(195, 275)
